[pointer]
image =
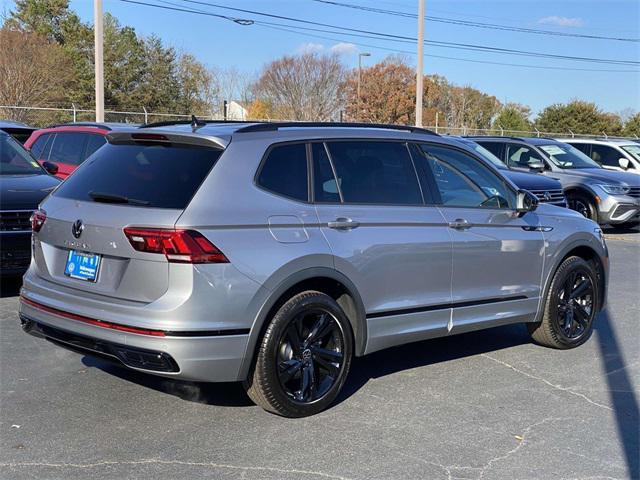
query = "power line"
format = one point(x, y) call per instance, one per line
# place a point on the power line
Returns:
point(468, 23)
point(396, 38)
point(383, 35)
point(292, 29)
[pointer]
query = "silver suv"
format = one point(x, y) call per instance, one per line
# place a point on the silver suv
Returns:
point(273, 254)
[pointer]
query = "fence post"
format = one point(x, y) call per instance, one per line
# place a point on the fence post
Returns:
point(74, 112)
point(572, 134)
point(501, 131)
point(537, 131)
point(464, 130)
point(146, 115)
point(437, 121)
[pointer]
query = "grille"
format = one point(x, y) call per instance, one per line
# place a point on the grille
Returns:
point(634, 192)
point(557, 196)
point(15, 221)
point(14, 260)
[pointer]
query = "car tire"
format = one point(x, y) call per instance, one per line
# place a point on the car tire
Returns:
point(303, 358)
point(570, 306)
point(581, 203)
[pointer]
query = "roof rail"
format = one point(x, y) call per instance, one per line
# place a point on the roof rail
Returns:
point(82, 124)
point(270, 126)
point(167, 123)
point(496, 136)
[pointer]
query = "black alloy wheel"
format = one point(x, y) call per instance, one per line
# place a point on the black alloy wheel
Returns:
point(571, 304)
point(575, 305)
point(310, 355)
point(303, 358)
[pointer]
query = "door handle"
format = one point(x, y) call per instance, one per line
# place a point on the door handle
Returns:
point(343, 223)
point(460, 224)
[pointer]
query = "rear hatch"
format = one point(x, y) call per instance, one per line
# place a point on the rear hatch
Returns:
point(145, 183)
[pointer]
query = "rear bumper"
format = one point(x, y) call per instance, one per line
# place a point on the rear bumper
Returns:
point(200, 358)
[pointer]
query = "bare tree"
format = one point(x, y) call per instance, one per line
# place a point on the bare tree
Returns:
point(32, 71)
point(232, 84)
point(302, 87)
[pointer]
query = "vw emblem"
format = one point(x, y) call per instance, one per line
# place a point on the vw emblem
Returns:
point(547, 196)
point(306, 355)
point(77, 228)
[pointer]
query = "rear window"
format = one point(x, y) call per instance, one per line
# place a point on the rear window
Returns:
point(159, 176)
point(284, 171)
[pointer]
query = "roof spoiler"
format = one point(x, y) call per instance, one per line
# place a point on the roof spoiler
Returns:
point(165, 137)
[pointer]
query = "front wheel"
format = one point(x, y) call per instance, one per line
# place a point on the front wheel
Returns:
point(570, 306)
point(583, 205)
point(304, 357)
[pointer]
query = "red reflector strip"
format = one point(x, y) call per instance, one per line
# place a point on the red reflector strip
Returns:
point(91, 321)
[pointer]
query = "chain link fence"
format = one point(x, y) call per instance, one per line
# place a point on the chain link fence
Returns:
point(45, 116)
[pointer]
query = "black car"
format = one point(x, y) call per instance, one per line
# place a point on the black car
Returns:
point(17, 130)
point(23, 185)
point(548, 190)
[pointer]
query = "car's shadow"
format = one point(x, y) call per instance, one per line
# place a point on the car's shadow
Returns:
point(363, 369)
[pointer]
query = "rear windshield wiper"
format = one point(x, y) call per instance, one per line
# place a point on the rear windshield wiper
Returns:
point(115, 198)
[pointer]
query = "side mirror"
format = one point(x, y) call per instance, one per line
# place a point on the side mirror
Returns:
point(526, 202)
point(50, 167)
point(624, 163)
point(536, 167)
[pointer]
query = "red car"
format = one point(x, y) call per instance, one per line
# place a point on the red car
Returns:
point(61, 148)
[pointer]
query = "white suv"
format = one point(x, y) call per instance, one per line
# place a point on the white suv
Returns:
point(621, 155)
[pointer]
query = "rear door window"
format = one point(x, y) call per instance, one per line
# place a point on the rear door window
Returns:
point(69, 148)
point(325, 185)
point(284, 171)
point(149, 175)
point(375, 173)
point(605, 155)
point(583, 147)
point(494, 147)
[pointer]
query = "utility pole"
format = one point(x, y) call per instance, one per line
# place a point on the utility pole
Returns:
point(99, 64)
point(360, 55)
point(419, 66)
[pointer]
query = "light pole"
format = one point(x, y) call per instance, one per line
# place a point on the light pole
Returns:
point(419, 66)
point(99, 67)
point(360, 55)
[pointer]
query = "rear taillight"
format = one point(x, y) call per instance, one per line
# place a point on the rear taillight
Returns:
point(37, 220)
point(179, 246)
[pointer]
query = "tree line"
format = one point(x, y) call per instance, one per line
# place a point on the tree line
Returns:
point(55, 67)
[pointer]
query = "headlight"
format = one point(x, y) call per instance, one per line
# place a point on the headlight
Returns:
point(615, 189)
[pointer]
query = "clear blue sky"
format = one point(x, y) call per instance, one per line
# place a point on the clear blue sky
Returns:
point(221, 42)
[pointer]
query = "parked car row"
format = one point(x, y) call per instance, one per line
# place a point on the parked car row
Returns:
point(273, 253)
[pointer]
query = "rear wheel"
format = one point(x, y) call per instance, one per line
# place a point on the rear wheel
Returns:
point(570, 306)
point(583, 205)
point(304, 357)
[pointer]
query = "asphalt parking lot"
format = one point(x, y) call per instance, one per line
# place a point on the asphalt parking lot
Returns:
point(482, 405)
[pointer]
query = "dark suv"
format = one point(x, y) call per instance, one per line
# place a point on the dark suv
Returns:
point(548, 190)
point(605, 196)
point(61, 148)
